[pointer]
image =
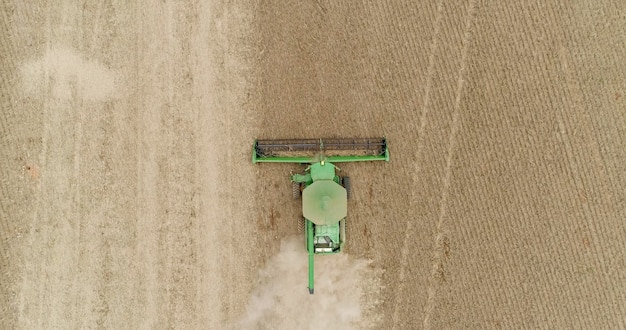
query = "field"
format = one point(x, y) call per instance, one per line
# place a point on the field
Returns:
point(128, 199)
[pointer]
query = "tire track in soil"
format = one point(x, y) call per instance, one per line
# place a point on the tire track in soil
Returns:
point(168, 166)
point(63, 181)
point(441, 240)
point(177, 171)
point(148, 140)
point(35, 237)
point(72, 244)
point(207, 201)
point(418, 148)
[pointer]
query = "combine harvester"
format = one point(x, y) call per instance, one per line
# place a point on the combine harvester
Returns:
point(324, 193)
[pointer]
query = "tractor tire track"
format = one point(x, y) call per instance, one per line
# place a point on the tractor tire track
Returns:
point(409, 231)
point(440, 254)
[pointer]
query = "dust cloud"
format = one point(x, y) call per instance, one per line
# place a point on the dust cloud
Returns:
point(346, 292)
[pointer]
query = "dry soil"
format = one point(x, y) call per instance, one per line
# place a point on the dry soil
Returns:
point(128, 199)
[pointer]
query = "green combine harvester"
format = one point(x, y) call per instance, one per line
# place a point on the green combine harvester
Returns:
point(324, 194)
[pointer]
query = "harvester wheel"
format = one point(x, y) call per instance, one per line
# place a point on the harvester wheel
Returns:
point(346, 184)
point(301, 225)
point(295, 187)
point(342, 232)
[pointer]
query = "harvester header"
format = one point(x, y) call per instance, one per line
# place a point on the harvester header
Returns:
point(311, 150)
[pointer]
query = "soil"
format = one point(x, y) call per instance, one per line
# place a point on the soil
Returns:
point(128, 198)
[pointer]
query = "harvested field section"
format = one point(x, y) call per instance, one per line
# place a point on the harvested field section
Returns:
point(117, 105)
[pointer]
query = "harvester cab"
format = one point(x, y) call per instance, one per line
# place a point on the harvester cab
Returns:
point(324, 193)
